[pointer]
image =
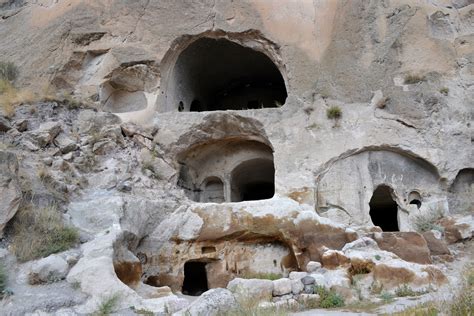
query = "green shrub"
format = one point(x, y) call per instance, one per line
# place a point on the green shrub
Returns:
point(108, 306)
point(259, 275)
point(405, 290)
point(328, 299)
point(427, 222)
point(41, 232)
point(8, 71)
point(386, 297)
point(334, 112)
point(412, 79)
point(444, 91)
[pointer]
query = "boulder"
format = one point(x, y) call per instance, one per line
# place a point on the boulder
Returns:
point(436, 243)
point(363, 242)
point(103, 147)
point(10, 191)
point(308, 280)
point(297, 286)
point(213, 302)
point(130, 129)
point(313, 266)
point(258, 289)
point(337, 277)
point(281, 287)
point(395, 272)
point(409, 246)
point(65, 143)
point(92, 122)
point(45, 133)
point(295, 275)
point(332, 259)
point(457, 228)
point(4, 124)
point(48, 270)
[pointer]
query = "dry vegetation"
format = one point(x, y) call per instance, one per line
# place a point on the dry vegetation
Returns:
point(39, 232)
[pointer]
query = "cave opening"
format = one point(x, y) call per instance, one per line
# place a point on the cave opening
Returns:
point(195, 278)
point(383, 209)
point(253, 180)
point(219, 74)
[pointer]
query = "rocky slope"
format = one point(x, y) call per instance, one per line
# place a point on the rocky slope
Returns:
point(318, 143)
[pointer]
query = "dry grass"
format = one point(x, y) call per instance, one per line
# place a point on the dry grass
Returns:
point(259, 275)
point(412, 79)
point(334, 112)
point(39, 232)
point(249, 306)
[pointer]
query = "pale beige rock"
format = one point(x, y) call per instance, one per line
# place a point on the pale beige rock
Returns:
point(10, 192)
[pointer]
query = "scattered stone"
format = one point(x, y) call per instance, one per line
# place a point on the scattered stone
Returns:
point(92, 122)
point(295, 275)
point(212, 302)
point(308, 289)
point(313, 266)
point(48, 161)
point(68, 157)
point(46, 133)
point(363, 242)
point(308, 280)
point(281, 286)
point(436, 243)
point(48, 270)
point(65, 143)
point(409, 246)
point(130, 129)
point(258, 289)
point(21, 125)
point(297, 286)
point(10, 191)
point(124, 186)
point(142, 141)
point(103, 147)
point(458, 228)
point(332, 259)
point(4, 124)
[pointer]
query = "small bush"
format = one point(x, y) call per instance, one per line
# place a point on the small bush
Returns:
point(427, 222)
point(249, 306)
point(386, 297)
point(264, 276)
point(8, 71)
point(328, 299)
point(412, 79)
point(107, 306)
point(444, 91)
point(334, 112)
point(41, 232)
point(405, 290)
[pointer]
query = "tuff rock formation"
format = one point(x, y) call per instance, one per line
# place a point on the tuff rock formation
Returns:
point(247, 152)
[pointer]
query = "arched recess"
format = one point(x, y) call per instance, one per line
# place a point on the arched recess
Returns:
point(229, 170)
point(345, 186)
point(253, 180)
point(212, 190)
point(383, 209)
point(461, 193)
point(222, 71)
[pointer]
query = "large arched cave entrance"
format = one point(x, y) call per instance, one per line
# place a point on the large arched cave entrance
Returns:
point(383, 209)
point(218, 74)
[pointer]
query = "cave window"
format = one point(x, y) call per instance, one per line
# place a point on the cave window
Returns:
point(181, 106)
point(253, 180)
point(224, 75)
point(383, 209)
point(195, 278)
point(213, 190)
point(415, 199)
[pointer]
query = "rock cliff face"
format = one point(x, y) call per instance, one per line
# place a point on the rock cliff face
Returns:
point(228, 139)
